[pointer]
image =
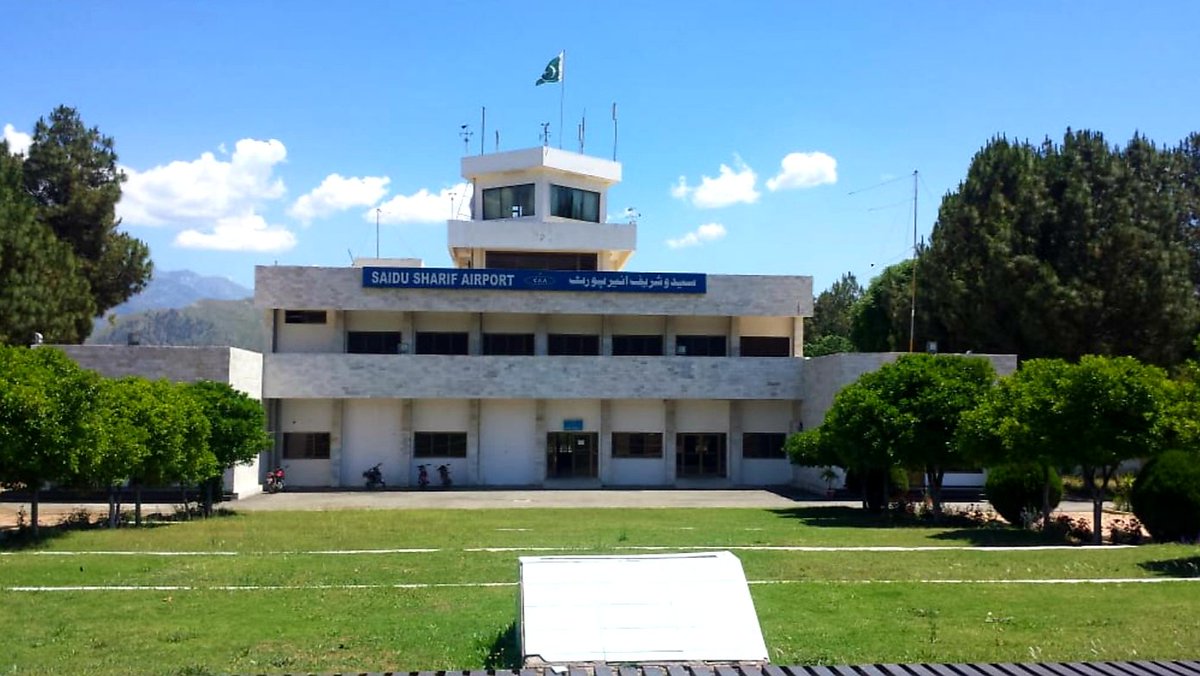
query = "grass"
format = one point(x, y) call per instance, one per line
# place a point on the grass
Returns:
point(830, 607)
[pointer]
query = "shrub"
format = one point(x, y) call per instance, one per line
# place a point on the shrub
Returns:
point(1166, 497)
point(1016, 488)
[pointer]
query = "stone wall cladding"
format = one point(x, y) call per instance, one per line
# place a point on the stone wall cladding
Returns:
point(246, 371)
point(491, 377)
point(297, 287)
point(177, 364)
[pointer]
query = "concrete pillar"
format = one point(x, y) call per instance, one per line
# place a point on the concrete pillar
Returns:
point(669, 335)
point(406, 440)
point(797, 336)
point(733, 449)
point(735, 337)
point(473, 478)
point(605, 335)
point(475, 335)
point(669, 440)
point(339, 331)
point(335, 443)
point(408, 336)
point(541, 339)
point(604, 470)
point(539, 440)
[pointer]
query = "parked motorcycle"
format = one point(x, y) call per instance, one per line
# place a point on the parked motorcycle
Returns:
point(275, 480)
point(423, 476)
point(444, 476)
point(374, 478)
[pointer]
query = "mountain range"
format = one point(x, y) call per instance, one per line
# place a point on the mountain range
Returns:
point(182, 307)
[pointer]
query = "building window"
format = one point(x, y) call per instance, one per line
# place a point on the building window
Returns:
point(560, 344)
point(766, 346)
point(540, 260)
point(439, 444)
point(306, 445)
point(513, 201)
point(700, 346)
point(303, 316)
point(508, 343)
point(637, 444)
point(373, 342)
point(700, 455)
point(763, 445)
point(637, 346)
point(441, 342)
point(580, 205)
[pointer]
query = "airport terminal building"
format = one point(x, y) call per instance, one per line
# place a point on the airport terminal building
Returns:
point(537, 358)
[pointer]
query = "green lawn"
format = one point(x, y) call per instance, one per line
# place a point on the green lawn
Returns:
point(828, 606)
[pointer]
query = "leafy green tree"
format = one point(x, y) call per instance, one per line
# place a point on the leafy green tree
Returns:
point(880, 320)
point(41, 287)
point(1062, 250)
point(237, 427)
point(71, 173)
point(47, 418)
point(123, 443)
point(828, 330)
point(177, 437)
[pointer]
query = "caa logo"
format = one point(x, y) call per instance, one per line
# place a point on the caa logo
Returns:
point(540, 280)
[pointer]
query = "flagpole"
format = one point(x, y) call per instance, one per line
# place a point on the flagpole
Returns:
point(562, 94)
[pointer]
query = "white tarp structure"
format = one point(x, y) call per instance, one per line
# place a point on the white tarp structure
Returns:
point(646, 609)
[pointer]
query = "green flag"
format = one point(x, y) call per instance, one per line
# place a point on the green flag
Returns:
point(554, 71)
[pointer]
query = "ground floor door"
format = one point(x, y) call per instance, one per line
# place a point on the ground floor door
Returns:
point(700, 456)
point(572, 455)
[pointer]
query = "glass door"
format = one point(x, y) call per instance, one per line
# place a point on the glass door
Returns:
point(571, 455)
point(700, 455)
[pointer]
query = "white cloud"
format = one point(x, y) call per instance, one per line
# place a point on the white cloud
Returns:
point(424, 206)
point(709, 232)
point(214, 202)
point(804, 170)
point(244, 232)
point(337, 193)
point(18, 142)
point(204, 189)
point(732, 185)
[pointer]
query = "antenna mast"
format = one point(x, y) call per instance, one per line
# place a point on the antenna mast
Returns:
point(464, 132)
point(545, 133)
point(912, 316)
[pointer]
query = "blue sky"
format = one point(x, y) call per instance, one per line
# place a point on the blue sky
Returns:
point(262, 132)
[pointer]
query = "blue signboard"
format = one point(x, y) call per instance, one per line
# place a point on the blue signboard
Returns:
point(572, 424)
point(533, 280)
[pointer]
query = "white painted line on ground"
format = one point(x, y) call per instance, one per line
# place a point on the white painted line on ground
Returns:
point(514, 530)
point(454, 585)
point(647, 548)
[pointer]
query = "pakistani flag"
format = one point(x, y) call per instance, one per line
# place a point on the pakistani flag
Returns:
point(554, 71)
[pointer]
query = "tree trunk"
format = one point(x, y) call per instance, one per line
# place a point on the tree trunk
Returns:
point(112, 506)
point(137, 502)
point(208, 498)
point(33, 510)
point(187, 513)
point(934, 477)
point(1089, 474)
point(1045, 498)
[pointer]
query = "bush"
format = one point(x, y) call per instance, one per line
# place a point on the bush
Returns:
point(1016, 489)
point(1166, 497)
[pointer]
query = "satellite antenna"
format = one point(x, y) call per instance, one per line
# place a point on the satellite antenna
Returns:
point(464, 132)
point(632, 214)
point(545, 133)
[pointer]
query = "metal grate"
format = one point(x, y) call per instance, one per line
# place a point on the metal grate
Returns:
point(1140, 668)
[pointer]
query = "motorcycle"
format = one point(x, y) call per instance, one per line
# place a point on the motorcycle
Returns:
point(275, 480)
point(374, 478)
point(423, 476)
point(444, 475)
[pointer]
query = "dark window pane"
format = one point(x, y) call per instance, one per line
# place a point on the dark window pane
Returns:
point(303, 316)
point(373, 342)
point(441, 342)
point(766, 346)
point(512, 201)
point(700, 346)
point(306, 445)
point(763, 445)
point(627, 346)
point(700, 455)
point(637, 444)
point(508, 343)
point(580, 205)
point(439, 444)
point(540, 260)
point(559, 344)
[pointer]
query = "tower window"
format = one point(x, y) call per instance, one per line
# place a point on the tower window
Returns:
point(580, 205)
point(513, 201)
